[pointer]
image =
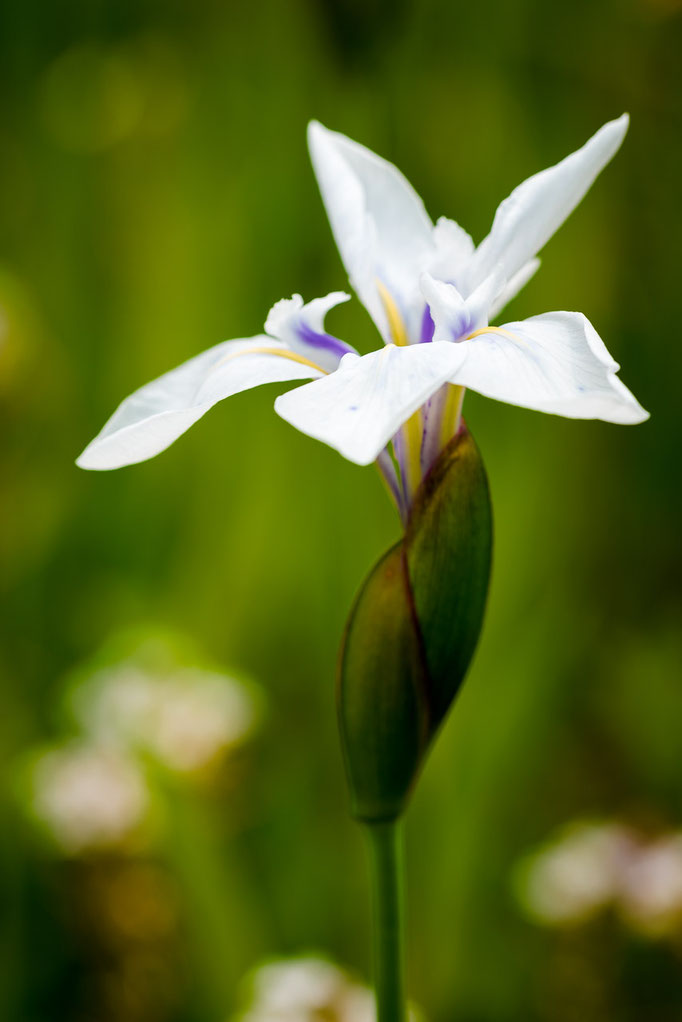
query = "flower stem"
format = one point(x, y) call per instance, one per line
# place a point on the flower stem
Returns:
point(385, 841)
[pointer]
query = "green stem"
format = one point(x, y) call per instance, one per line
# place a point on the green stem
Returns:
point(385, 842)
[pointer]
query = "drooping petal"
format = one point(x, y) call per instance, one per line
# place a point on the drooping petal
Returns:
point(379, 223)
point(532, 213)
point(513, 286)
point(456, 317)
point(357, 409)
point(553, 363)
point(301, 327)
point(148, 421)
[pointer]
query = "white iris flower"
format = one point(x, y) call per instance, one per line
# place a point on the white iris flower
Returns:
point(431, 293)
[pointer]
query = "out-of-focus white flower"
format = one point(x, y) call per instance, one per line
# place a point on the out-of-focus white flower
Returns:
point(594, 866)
point(651, 887)
point(305, 990)
point(88, 797)
point(185, 718)
point(198, 717)
point(308, 989)
point(114, 705)
point(573, 877)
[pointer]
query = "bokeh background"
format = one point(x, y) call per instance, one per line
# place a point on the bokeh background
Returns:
point(156, 197)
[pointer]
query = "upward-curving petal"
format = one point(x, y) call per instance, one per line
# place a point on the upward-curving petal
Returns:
point(513, 286)
point(379, 224)
point(364, 403)
point(301, 327)
point(553, 363)
point(148, 421)
point(532, 213)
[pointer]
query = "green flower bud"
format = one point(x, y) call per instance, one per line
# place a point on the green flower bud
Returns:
point(412, 632)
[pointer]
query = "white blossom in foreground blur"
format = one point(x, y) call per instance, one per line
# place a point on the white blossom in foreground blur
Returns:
point(591, 867)
point(87, 797)
point(185, 717)
point(308, 989)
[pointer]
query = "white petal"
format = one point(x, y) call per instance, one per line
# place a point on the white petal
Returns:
point(513, 286)
point(287, 309)
point(153, 417)
point(532, 213)
point(362, 405)
point(454, 248)
point(301, 327)
point(553, 363)
point(379, 223)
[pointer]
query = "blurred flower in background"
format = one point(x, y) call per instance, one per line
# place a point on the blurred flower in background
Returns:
point(650, 894)
point(93, 791)
point(141, 806)
point(307, 989)
point(186, 718)
point(88, 797)
point(591, 867)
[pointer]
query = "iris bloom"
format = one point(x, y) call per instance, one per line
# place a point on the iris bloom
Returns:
point(432, 294)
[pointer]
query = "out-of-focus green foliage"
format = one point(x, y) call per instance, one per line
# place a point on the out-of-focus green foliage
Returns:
point(155, 198)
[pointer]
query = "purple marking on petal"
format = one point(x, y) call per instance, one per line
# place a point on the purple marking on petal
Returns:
point(433, 411)
point(324, 342)
point(428, 326)
point(461, 327)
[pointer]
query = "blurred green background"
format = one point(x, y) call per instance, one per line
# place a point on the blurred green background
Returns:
point(156, 197)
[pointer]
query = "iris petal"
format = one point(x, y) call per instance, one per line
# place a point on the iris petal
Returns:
point(152, 418)
point(553, 363)
point(364, 403)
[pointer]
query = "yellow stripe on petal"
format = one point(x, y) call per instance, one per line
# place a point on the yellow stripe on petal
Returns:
point(280, 352)
point(395, 320)
point(497, 330)
point(413, 433)
point(452, 412)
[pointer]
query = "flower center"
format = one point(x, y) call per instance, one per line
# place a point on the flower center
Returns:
point(395, 320)
point(407, 442)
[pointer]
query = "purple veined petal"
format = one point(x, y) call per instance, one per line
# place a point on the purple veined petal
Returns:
point(300, 326)
point(322, 344)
